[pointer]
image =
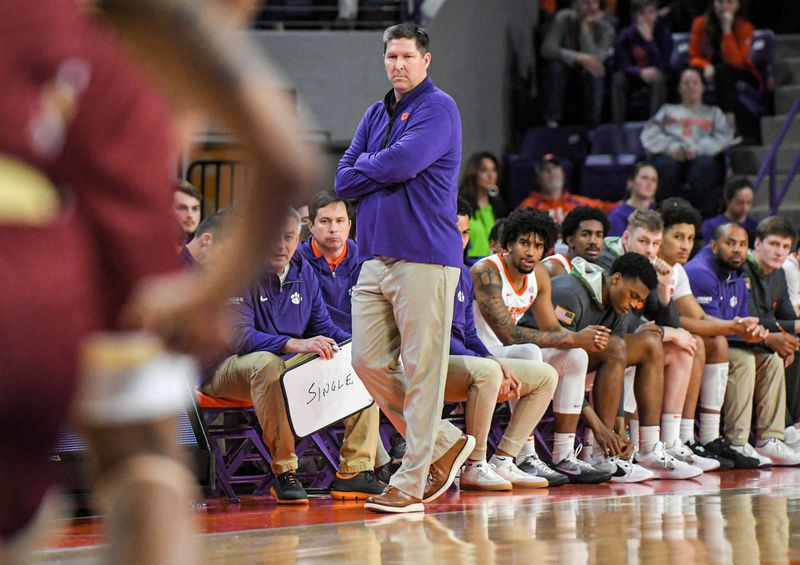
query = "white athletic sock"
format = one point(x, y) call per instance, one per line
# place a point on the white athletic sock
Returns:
point(501, 461)
point(529, 448)
point(563, 446)
point(687, 430)
point(634, 425)
point(473, 462)
point(709, 427)
point(648, 438)
point(670, 428)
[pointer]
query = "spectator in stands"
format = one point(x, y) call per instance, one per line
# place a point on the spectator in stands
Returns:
point(186, 204)
point(551, 196)
point(642, 52)
point(278, 320)
point(575, 48)
point(681, 223)
point(582, 230)
point(685, 142)
point(206, 241)
point(769, 301)
point(720, 48)
point(511, 284)
point(478, 187)
point(721, 290)
point(642, 187)
point(482, 380)
point(737, 199)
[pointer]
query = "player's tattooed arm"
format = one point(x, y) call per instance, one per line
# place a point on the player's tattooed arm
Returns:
point(489, 298)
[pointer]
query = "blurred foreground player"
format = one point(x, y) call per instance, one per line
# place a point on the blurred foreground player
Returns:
point(86, 152)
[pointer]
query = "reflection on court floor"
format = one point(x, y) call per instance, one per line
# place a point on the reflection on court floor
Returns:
point(735, 517)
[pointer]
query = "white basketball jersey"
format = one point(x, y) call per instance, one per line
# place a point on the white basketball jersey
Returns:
point(517, 302)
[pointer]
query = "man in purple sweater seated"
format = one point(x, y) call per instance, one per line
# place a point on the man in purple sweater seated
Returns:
point(403, 165)
point(332, 254)
point(278, 320)
point(642, 52)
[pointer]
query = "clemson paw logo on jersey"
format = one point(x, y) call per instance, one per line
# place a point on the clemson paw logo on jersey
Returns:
point(734, 301)
point(296, 298)
point(404, 116)
point(460, 296)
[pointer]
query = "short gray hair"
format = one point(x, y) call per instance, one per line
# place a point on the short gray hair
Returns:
point(408, 31)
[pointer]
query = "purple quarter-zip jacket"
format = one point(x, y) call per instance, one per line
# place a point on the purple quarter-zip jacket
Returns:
point(464, 338)
point(269, 313)
point(337, 286)
point(403, 165)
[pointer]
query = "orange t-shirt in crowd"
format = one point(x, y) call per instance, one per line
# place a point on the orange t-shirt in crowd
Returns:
point(558, 208)
point(735, 47)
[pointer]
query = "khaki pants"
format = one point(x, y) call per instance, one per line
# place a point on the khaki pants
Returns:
point(754, 378)
point(256, 377)
point(477, 380)
point(404, 310)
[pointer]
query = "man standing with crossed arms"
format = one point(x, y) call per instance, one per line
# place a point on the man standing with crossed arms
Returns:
point(403, 165)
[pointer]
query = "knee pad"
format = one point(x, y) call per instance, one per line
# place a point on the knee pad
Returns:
point(712, 388)
point(130, 378)
point(629, 402)
point(571, 365)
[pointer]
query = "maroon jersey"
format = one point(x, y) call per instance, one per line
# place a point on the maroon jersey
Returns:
point(74, 106)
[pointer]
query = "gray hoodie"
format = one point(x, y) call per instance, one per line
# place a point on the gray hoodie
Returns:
point(706, 130)
point(578, 299)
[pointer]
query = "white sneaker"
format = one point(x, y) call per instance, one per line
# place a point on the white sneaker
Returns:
point(480, 475)
point(518, 479)
point(778, 452)
point(791, 437)
point(665, 466)
point(749, 451)
point(629, 472)
point(681, 452)
point(600, 462)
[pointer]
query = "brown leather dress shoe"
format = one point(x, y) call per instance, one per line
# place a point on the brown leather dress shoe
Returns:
point(443, 471)
point(394, 501)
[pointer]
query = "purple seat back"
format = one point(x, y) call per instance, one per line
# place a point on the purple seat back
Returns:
point(606, 176)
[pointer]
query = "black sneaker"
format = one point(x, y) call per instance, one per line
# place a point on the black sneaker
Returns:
point(580, 472)
point(397, 448)
point(385, 472)
point(701, 451)
point(286, 489)
point(357, 486)
point(740, 461)
point(532, 465)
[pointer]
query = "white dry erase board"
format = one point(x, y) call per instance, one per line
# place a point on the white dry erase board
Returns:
point(320, 392)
